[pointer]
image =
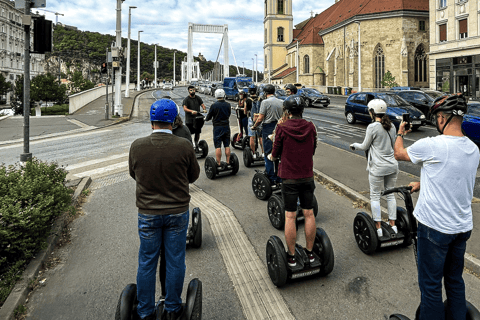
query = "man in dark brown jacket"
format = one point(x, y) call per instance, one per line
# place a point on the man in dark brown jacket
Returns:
point(162, 165)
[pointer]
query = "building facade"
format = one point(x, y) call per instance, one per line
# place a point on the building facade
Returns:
point(393, 36)
point(455, 47)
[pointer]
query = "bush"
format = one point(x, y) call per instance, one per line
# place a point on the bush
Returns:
point(31, 197)
point(58, 109)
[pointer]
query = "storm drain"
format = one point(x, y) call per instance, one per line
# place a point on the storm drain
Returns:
point(109, 180)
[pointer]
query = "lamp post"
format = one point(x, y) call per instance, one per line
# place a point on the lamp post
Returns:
point(359, 61)
point(256, 74)
point(174, 68)
point(243, 63)
point(118, 75)
point(253, 68)
point(296, 59)
point(127, 90)
point(155, 65)
point(138, 62)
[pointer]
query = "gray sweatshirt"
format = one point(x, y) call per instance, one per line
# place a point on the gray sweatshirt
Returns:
point(381, 159)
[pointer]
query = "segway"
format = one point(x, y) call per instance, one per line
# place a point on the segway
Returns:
point(262, 186)
point(276, 210)
point(192, 308)
point(212, 169)
point(242, 142)
point(201, 151)
point(250, 158)
point(194, 233)
point(472, 311)
point(279, 270)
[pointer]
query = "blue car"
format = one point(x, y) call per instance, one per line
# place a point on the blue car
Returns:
point(281, 94)
point(356, 108)
point(471, 122)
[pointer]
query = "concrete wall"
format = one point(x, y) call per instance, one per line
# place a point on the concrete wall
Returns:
point(78, 100)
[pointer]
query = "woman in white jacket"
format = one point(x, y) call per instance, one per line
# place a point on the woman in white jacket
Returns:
point(382, 167)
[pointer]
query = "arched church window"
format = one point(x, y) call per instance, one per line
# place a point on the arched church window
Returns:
point(420, 64)
point(306, 64)
point(280, 34)
point(379, 66)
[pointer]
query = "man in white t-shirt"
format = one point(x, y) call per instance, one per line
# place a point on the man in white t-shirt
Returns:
point(444, 207)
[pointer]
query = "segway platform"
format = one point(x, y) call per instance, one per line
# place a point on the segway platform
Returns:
point(212, 170)
point(249, 159)
point(201, 151)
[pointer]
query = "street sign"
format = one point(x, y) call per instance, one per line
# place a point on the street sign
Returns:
point(20, 4)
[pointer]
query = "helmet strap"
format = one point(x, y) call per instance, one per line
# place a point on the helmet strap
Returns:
point(446, 123)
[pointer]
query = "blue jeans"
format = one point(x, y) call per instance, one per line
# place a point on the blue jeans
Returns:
point(267, 148)
point(441, 256)
point(153, 230)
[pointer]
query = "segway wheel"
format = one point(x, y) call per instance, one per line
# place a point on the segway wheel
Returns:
point(276, 261)
point(204, 146)
point(398, 317)
point(324, 249)
point(235, 164)
point(261, 186)
point(127, 303)
point(210, 168)
point(472, 312)
point(315, 206)
point(365, 233)
point(197, 227)
point(247, 157)
point(193, 304)
point(245, 142)
point(234, 141)
point(276, 211)
point(403, 224)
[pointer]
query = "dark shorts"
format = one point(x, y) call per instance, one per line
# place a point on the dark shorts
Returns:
point(293, 191)
point(221, 134)
point(192, 129)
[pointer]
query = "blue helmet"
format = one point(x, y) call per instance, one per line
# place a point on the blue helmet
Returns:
point(163, 110)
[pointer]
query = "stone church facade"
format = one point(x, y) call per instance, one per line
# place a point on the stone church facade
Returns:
point(393, 36)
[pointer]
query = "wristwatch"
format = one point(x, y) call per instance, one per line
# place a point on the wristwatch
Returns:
point(400, 135)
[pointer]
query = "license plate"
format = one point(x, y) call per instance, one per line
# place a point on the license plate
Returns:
point(416, 122)
point(323, 101)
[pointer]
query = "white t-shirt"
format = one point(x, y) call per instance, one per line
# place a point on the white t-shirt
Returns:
point(449, 167)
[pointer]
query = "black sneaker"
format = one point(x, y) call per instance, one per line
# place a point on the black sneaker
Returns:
point(310, 256)
point(292, 261)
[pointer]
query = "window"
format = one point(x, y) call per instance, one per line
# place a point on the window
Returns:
point(443, 3)
point(265, 7)
point(280, 34)
point(280, 6)
point(306, 64)
point(265, 35)
point(379, 67)
point(443, 32)
point(421, 25)
point(462, 27)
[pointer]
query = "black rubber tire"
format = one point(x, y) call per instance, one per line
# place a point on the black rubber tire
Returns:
point(197, 227)
point(350, 118)
point(324, 249)
point(234, 138)
point(247, 157)
point(398, 317)
point(403, 224)
point(472, 312)
point(204, 145)
point(308, 102)
point(261, 186)
point(235, 164)
point(127, 303)
point(365, 233)
point(245, 142)
point(276, 211)
point(315, 206)
point(276, 261)
point(325, 105)
point(210, 168)
point(193, 302)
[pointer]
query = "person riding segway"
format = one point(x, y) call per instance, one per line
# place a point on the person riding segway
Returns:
point(240, 140)
point(252, 107)
point(194, 120)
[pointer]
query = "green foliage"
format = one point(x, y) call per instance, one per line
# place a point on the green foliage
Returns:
point(20, 310)
point(31, 197)
point(80, 83)
point(45, 87)
point(58, 109)
point(389, 80)
point(5, 86)
point(446, 86)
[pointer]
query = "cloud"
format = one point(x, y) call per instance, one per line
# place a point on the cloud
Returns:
point(165, 22)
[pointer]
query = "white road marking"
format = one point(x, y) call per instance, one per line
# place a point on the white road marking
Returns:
point(99, 171)
point(79, 123)
point(95, 161)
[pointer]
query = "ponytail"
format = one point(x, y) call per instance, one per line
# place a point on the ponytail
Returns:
point(386, 123)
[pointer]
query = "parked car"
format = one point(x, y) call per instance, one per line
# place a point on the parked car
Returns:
point(281, 94)
point(167, 86)
point(356, 108)
point(207, 89)
point(405, 88)
point(471, 122)
point(422, 100)
point(313, 96)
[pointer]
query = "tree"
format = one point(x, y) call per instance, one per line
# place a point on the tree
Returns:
point(45, 87)
point(17, 99)
point(5, 86)
point(80, 83)
point(389, 80)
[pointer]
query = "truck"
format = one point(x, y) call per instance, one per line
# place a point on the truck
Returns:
point(232, 85)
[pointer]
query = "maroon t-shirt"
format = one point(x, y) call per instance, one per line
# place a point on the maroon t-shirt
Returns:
point(295, 143)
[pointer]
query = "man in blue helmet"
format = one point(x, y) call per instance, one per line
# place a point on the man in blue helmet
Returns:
point(163, 165)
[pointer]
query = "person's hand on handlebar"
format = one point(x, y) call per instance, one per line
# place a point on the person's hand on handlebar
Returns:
point(194, 112)
point(415, 186)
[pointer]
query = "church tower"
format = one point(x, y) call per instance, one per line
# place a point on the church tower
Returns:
point(278, 33)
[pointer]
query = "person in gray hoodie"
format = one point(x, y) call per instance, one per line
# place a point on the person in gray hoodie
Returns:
point(381, 166)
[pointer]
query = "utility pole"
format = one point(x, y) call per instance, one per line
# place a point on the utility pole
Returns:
point(138, 62)
point(106, 86)
point(256, 70)
point(118, 76)
point(174, 68)
point(155, 65)
point(59, 71)
point(127, 90)
point(243, 67)
point(27, 20)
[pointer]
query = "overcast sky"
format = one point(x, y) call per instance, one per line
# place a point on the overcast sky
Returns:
point(166, 22)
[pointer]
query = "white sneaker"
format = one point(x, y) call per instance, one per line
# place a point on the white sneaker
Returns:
point(395, 229)
point(263, 155)
point(379, 232)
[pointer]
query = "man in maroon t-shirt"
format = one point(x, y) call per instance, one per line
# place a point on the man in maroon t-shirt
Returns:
point(295, 142)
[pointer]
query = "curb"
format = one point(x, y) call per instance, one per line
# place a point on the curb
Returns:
point(20, 292)
point(471, 263)
point(5, 117)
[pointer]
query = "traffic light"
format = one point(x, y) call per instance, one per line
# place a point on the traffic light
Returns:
point(42, 35)
point(104, 67)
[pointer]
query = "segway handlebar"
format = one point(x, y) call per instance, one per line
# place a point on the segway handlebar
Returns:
point(402, 189)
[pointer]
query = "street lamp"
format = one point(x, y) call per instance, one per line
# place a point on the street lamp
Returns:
point(138, 63)
point(243, 67)
point(256, 74)
point(174, 68)
point(127, 90)
point(155, 65)
point(253, 68)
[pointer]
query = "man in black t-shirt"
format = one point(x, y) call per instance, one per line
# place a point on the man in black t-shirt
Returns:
point(191, 106)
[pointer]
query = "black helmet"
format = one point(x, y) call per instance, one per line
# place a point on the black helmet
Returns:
point(455, 104)
point(269, 89)
point(252, 89)
point(294, 104)
point(292, 88)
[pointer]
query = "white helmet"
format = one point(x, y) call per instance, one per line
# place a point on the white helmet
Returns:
point(378, 106)
point(220, 94)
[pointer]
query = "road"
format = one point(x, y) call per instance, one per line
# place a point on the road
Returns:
point(101, 259)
